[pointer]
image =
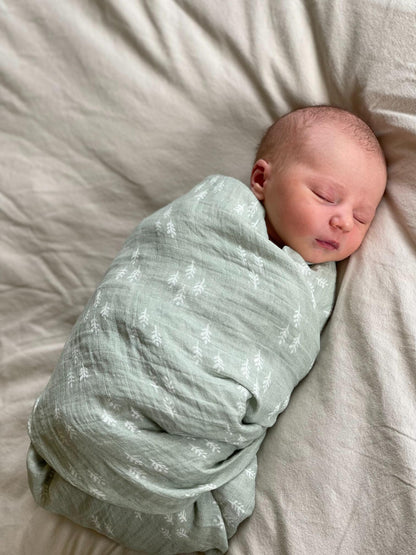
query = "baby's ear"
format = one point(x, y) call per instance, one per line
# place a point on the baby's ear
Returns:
point(259, 176)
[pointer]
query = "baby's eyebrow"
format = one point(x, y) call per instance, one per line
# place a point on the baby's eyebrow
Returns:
point(329, 182)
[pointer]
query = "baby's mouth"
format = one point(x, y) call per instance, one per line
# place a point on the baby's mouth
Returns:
point(328, 244)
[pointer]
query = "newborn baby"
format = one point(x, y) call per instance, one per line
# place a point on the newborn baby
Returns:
point(196, 337)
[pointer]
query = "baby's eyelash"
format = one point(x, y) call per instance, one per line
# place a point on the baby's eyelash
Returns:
point(360, 221)
point(323, 197)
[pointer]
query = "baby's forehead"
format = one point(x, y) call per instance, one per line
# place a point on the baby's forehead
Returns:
point(316, 138)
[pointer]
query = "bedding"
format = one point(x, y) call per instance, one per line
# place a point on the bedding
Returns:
point(186, 353)
point(110, 111)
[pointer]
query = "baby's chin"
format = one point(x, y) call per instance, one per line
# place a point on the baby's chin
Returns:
point(322, 259)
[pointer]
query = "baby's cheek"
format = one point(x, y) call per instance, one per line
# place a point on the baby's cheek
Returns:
point(355, 242)
point(306, 224)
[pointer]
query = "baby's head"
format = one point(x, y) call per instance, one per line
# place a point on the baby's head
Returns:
point(320, 174)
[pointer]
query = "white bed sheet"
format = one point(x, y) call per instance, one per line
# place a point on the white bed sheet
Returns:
point(109, 110)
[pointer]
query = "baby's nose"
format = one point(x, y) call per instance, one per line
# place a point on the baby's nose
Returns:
point(343, 221)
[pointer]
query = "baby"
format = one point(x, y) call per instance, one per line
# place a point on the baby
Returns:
point(192, 344)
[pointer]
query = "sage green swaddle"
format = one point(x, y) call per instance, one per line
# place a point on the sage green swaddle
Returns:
point(188, 350)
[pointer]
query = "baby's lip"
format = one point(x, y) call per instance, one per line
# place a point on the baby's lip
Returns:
point(328, 244)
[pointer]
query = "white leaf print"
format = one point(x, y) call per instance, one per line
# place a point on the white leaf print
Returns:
point(97, 299)
point(213, 446)
point(83, 374)
point(70, 430)
point(121, 273)
point(144, 318)
point(206, 335)
point(76, 355)
point(105, 311)
point(169, 384)
point(303, 268)
point(267, 382)
point(159, 467)
point(112, 404)
point(156, 338)
point(135, 255)
point(250, 473)
point(239, 209)
point(165, 533)
point(197, 353)
point(190, 270)
point(322, 282)
point(199, 288)
point(259, 263)
point(167, 212)
point(180, 297)
point(107, 419)
point(283, 335)
point(134, 276)
point(95, 328)
point(134, 460)
point(312, 289)
point(258, 361)
point(199, 452)
point(252, 209)
point(97, 493)
point(96, 478)
point(297, 317)
point(136, 474)
point(181, 533)
point(173, 280)
point(201, 195)
point(218, 364)
point(293, 347)
point(129, 426)
point(71, 379)
point(199, 187)
point(169, 406)
point(158, 227)
point(170, 229)
point(237, 507)
point(182, 516)
point(219, 186)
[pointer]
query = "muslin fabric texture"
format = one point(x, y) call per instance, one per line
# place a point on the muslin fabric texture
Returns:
point(187, 352)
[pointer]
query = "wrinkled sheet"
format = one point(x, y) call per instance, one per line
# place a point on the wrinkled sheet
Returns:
point(110, 110)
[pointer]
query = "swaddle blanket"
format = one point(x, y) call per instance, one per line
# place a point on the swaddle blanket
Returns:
point(187, 352)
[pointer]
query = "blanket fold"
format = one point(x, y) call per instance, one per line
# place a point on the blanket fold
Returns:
point(187, 352)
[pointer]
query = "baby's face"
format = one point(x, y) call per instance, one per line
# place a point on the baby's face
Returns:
point(322, 202)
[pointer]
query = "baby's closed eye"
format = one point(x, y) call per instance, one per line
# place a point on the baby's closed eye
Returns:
point(327, 197)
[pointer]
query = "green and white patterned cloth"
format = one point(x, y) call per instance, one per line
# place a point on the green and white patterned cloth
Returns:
point(187, 352)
